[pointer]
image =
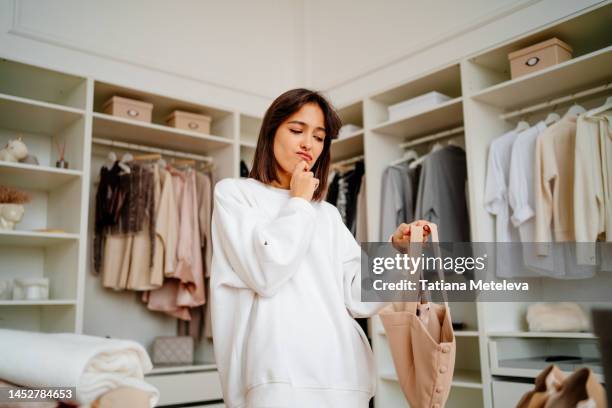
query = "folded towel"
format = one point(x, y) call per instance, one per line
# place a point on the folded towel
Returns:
point(94, 365)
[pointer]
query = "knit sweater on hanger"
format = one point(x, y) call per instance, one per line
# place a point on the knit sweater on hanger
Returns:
point(284, 290)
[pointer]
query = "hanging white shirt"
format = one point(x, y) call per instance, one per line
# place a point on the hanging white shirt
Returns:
point(285, 287)
point(496, 203)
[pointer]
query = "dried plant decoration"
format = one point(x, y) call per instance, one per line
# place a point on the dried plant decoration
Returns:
point(10, 195)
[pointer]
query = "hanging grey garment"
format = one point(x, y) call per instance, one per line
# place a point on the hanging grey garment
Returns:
point(441, 196)
point(397, 198)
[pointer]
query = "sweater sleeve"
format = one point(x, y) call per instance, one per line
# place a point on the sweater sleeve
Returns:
point(263, 252)
point(351, 253)
point(543, 197)
point(588, 190)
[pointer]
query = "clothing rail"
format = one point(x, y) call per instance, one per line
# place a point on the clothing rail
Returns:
point(348, 161)
point(436, 136)
point(557, 101)
point(149, 149)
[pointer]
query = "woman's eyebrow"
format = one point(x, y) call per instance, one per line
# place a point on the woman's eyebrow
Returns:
point(298, 122)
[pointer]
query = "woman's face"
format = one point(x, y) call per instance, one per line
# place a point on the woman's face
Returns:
point(299, 137)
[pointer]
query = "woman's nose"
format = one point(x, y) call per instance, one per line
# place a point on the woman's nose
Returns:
point(306, 142)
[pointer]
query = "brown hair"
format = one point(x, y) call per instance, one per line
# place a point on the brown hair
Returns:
point(284, 106)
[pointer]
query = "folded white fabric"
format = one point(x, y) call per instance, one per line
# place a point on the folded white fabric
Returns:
point(557, 317)
point(94, 365)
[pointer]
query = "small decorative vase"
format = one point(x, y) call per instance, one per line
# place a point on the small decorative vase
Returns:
point(61, 164)
point(10, 215)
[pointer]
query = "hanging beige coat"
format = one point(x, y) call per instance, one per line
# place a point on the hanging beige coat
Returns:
point(422, 345)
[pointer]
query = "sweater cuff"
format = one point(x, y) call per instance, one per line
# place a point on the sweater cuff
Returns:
point(521, 215)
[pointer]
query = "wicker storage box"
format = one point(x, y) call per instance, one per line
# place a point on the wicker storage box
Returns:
point(129, 108)
point(189, 121)
point(173, 350)
point(538, 56)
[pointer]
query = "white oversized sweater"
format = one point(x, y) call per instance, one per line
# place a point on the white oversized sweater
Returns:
point(285, 283)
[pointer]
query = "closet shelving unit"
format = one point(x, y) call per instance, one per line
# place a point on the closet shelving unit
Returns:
point(384, 137)
point(487, 103)
point(45, 107)
point(179, 384)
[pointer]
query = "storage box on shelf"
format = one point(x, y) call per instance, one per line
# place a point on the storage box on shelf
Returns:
point(221, 119)
point(436, 117)
point(128, 108)
point(588, 34)
point(538, 56)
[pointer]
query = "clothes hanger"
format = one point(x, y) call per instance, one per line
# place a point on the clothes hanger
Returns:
point(127, 157)
point(408, 155)
point(552, 118)
point(111, 158)
point(606, 106)
point(522, 126)
point(575, 110)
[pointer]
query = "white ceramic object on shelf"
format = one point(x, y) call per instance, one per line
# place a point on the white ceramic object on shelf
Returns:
point(31, 289)
point(10, 215)
point(14, 151)
point(417, 104)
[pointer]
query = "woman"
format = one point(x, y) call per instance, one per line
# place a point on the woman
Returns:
point(285, 273)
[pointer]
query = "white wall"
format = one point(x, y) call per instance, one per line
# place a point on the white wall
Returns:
point(240, 54)
point(232, 53)
point(360, 47)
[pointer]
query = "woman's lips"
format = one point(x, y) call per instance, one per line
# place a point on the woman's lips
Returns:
point(305, 156)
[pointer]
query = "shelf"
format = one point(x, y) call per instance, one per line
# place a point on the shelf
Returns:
point(251, 145)
point(162, 105)
point(27, 115)
point(466, 333)
point(461, 378)
point(467, 379)
point(559, 80)
point(57, 302)
point(554, 335)
point(42, 84)
point(34, 177)
point(446, 80)
point(183, 368)
point(34, 239)
point(446, 115)
point(347, 147)
point(130, 131)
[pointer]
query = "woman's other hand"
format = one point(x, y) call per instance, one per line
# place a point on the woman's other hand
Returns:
point(303, 183)
point(401, 237)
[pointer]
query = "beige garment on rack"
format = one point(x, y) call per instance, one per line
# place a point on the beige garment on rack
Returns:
point(183, 289)
point(194, 327)
point(126, 256)
point(554, 183)
point(589, 214)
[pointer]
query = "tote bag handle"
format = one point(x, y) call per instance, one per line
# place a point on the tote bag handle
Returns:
point(416, 238)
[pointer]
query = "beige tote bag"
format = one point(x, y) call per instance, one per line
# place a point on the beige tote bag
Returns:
point(422, 341)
